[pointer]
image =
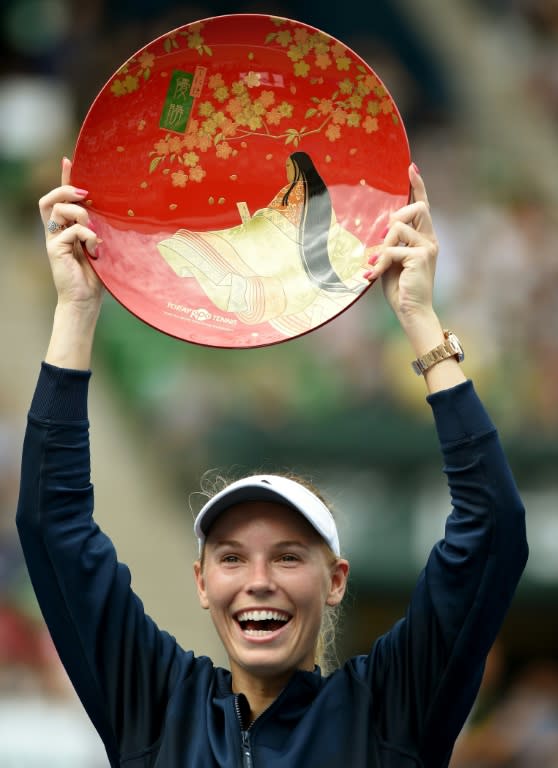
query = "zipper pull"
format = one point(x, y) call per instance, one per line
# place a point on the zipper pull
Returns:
point(246, 751)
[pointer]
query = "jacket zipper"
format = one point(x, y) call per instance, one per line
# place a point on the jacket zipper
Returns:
point(247, 761)
point(246, 751)
point(247, 757)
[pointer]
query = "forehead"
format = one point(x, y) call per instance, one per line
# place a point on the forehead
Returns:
point(266, 519)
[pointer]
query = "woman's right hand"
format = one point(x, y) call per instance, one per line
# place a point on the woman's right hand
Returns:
point(75, 281)
point(79, 289)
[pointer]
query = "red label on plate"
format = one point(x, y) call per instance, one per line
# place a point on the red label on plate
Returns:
point(199, 79)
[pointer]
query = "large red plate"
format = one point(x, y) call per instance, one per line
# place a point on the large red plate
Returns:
point(239, 168)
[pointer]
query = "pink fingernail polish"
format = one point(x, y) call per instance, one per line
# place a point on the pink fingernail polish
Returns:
point(384, 232)
point(80, 192)
point(367, 275)
point(373, 259)
point(417, 169)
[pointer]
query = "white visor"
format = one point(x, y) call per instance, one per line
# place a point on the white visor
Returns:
point(270, 488)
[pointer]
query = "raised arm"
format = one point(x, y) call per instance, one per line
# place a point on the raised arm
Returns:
point(122, 666)
point(79, 290)
point(428, 668)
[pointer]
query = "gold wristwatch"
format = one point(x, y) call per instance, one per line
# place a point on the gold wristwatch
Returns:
point(451, 347)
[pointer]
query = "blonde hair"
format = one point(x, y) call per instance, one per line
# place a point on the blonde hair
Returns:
point(325, 654)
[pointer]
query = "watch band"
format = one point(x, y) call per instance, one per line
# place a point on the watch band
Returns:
point(451, 347)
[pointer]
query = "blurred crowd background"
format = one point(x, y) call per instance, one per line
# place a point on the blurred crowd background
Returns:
point(476, 82)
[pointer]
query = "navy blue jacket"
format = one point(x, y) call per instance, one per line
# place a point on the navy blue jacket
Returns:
point(156, 705)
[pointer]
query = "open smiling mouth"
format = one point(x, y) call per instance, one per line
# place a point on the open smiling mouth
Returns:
point(261, 623)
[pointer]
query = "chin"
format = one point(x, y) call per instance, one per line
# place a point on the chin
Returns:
point(267, 664)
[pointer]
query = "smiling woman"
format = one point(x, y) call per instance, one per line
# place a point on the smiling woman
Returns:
point(266, 575)
point(270, 568)
point(314, 525)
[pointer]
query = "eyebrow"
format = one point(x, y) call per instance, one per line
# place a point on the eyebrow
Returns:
point(289, 543)
point(228, 543)
point(286, 544)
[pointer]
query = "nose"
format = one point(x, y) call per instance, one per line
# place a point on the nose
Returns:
point(260, 577)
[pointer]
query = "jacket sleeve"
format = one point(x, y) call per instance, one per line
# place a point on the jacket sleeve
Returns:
point(120, 664)
point(427, 670)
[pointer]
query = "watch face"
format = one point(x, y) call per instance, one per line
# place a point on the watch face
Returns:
point(456, 346)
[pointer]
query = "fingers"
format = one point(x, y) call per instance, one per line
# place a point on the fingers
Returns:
point(404, 233)
point(410, 234)
point(416, 216)
point(66, 220)
point(71, 221)
point(67, 238)
point(64, 194)
point(418, 189)
point(66, 214)
point(417, 212)
point(66, 171)
point(420, 257)
point(85, 235)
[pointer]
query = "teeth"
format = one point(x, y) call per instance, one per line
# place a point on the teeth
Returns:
point(263, 616)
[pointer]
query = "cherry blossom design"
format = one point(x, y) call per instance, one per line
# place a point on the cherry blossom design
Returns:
point(231, 109)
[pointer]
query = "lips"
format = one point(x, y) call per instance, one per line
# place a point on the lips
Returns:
point(262, 622)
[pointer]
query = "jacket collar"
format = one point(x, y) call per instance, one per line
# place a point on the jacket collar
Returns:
point(302, 684)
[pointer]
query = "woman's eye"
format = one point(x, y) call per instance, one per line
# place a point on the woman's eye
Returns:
point(230, 559)
point(289, 558)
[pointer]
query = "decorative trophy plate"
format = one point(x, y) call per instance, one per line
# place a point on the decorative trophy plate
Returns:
point(239, 169)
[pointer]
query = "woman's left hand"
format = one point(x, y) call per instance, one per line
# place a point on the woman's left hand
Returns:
point(406, 261)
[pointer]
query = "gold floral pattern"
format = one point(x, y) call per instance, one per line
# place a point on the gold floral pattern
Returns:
point(231, 110)
point(142, 65)
point(125, 82)
point(194, 39)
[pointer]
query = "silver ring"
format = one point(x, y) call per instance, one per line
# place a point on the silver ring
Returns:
point(53, 227)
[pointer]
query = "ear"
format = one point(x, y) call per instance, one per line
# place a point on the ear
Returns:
point(338, 581)
point(200, 584)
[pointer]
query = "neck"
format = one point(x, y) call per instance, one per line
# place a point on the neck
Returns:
point(260, 692)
